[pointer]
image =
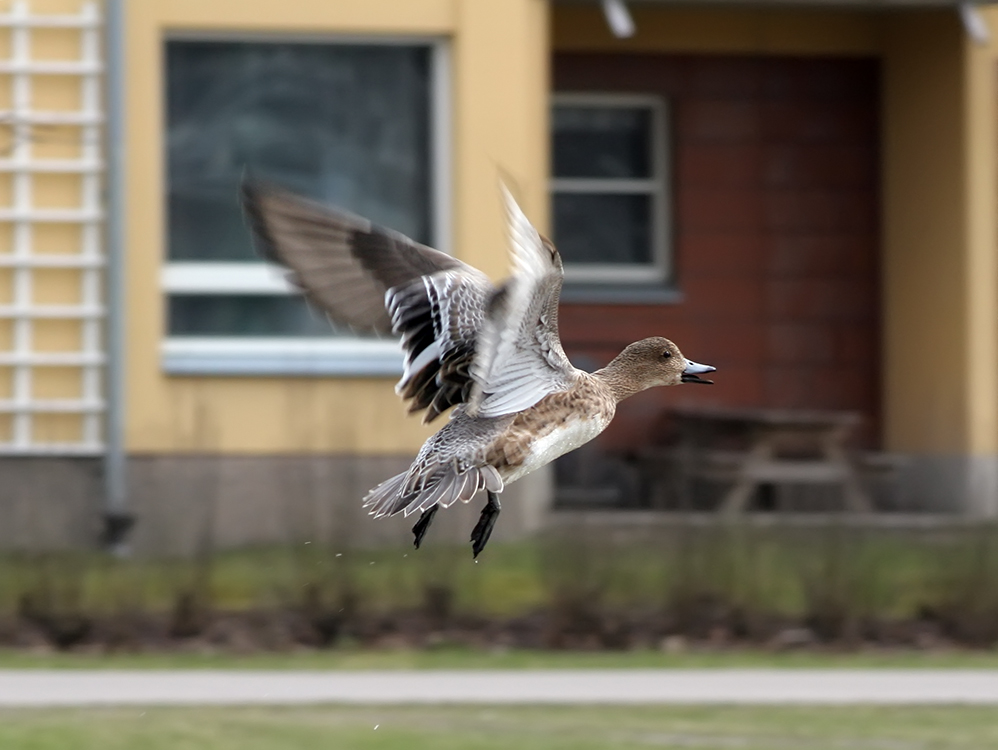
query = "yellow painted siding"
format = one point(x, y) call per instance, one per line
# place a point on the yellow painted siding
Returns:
point(500, 104)
point(940, 240)
point(981, 216)
point(924, 278)
point(302, 16)
point(499, 51)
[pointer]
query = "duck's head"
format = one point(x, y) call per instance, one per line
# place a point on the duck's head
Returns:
point(656, 361)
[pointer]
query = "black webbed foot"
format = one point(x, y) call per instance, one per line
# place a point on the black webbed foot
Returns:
point(483, 529)
point(419, 530)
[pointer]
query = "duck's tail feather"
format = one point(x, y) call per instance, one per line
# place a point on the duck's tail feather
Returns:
point(383, 496)
point(443, 485)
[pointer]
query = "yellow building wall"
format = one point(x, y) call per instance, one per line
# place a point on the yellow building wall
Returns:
point(940, 351)
point(941, 240)
point(924, 273)
point(499, 56)
point(980, 155)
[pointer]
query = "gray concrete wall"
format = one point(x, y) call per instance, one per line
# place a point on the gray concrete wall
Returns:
point(951, 484)
point(186, 503)
point(49, 503)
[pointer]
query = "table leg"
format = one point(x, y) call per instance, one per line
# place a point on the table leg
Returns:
point(853, 493)
point(736, 499)
point(685, 480)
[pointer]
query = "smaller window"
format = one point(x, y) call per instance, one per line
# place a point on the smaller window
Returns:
point(608, 188)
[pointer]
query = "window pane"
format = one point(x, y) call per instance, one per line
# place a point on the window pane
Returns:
point(608, 142)
point(245, 315)
point(603, 228)
point(348, 124)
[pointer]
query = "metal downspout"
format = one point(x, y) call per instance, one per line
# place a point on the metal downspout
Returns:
point(117, 520)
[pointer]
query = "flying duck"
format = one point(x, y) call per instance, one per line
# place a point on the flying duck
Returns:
point(493, 352)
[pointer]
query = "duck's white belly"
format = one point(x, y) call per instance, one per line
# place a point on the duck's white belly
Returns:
point(546, 448)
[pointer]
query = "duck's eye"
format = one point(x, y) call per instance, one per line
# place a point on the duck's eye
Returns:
point(666, 354)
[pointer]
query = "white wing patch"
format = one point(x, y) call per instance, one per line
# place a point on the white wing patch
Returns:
point(519, 359)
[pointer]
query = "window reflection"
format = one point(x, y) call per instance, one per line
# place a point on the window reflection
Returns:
point(244, 315)
point(602, 142)
point(341, 123)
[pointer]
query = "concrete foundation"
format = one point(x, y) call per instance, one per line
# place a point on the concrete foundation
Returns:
point(967, 485)
point(50, 503)
point(183, 504)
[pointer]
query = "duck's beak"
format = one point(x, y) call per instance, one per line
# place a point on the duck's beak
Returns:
point(693, 372)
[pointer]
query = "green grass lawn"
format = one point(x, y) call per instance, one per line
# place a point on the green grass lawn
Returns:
point(501, 728)
point(458, 658)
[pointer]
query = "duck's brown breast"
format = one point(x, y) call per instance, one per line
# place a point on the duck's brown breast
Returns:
point(555, 425)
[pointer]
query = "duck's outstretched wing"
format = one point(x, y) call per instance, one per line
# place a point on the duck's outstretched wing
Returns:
point(520, 359)
point(375, 280)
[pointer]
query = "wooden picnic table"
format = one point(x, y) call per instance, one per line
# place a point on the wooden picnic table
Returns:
point(751, 447)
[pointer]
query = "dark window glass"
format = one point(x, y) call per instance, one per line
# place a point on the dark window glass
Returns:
point(606, 182)
point(244, 315)
point(345, 124)
point(600, 228)
point(348, 124)
point(602, 142)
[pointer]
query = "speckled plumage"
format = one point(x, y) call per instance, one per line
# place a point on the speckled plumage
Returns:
point(555, 425)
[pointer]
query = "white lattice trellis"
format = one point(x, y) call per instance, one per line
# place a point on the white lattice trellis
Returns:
point(23, 216)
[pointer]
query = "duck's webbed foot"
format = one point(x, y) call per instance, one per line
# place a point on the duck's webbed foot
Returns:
point(419, 530)
point(483, 529)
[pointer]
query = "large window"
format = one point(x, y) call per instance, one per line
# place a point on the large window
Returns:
point(355, 125)
point(610, 207)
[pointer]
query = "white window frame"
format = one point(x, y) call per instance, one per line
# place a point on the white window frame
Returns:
point(344, 356)
point(657, 186)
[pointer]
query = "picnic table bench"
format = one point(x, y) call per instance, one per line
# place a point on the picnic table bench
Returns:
point(747, 448)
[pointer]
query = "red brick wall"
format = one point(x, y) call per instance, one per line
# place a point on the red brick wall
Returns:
point(775, 236)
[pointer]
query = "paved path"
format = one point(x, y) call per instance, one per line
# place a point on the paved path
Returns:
point(680, 686)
